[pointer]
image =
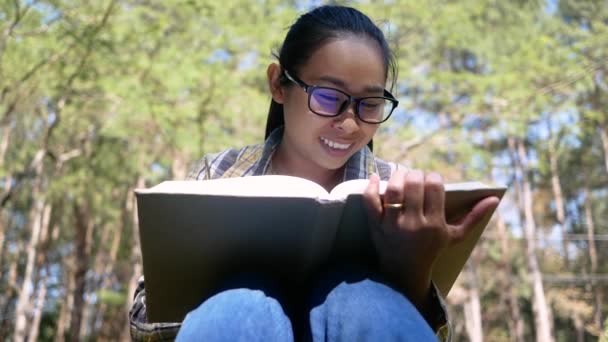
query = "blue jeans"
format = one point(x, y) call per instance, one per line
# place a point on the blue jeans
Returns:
point(360, 310)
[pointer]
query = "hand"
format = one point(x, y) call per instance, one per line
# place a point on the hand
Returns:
point(408, 240)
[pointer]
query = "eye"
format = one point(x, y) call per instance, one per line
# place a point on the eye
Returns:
point(327, 97)
point(370, 104)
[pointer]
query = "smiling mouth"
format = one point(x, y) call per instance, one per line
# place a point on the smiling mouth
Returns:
point(335, 145)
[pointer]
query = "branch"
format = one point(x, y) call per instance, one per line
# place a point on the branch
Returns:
point(66, 156)
point(43, 29)
point(43, 62)
point(408, 145)
point(11, 28)
point(89, 48)
point(15, 183)
point(405, 147)
point(10, 109)
point(83, 61)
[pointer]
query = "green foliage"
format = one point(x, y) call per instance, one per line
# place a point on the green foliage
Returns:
point(112, 298)
point(115, 91)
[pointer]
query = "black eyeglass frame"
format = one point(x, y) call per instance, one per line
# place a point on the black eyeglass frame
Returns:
point(351, 99)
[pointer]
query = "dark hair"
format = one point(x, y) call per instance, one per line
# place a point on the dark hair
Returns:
point(314, 29)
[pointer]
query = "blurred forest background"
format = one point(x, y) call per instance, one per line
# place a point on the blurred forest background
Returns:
point(100, 97)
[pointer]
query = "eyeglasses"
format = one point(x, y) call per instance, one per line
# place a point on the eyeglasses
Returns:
point(330, 102)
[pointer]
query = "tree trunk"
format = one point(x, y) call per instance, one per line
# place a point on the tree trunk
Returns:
point(597, 291)
point(604, 136)
point(108, 270)
point(4, 225)
point(66, 305)
point(178, 167)
point(542, 314)
point(516, 323)
point(85, 321)
point(580, 328)
point(100, 263)
point(40, 299)
point(2, 236)
point(556, 186)
point(472, 307)
point(7, 296)
point(83, 224)
point(6, 133)
point(42, 280)
point(24, 302)
point(135, 253)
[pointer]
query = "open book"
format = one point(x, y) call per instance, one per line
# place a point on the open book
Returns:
point(196, 234)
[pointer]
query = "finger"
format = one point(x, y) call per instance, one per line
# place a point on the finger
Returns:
point(434, 197)
point(394, 195)
point(371, 197)
point(414, 192)
point(480, 210)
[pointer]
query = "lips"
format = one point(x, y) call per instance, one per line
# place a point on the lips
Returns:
point(335, 145)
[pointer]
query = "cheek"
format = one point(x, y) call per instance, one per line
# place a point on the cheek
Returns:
point(299, 126)
point(294, 108)
point(295, 100)
point(369, 130)
point(299, 119)
point(294, 118)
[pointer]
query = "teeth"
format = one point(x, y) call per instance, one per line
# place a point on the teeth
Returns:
point(335, 145)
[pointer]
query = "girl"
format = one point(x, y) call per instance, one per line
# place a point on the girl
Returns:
point(328, 99)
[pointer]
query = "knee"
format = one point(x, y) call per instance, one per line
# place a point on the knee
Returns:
point(236, 314)
point(370, 300)
point(235, 301)
point(369, 309)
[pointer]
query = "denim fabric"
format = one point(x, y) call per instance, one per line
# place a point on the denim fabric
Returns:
point(367, 310)
point(348, 310)
point(237, 315)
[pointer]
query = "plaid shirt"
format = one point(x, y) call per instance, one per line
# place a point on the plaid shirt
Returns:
point(252, 161)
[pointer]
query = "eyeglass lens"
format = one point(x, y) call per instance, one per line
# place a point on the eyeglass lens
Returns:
point(331, 102)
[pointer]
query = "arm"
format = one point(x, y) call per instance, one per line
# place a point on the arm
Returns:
point(202, 169)
point(140, 328)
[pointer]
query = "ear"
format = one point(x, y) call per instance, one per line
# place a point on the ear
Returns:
point(274, 82)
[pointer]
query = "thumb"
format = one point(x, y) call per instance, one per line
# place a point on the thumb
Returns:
point(460, 231)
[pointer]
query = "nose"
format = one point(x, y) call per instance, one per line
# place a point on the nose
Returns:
point(347, 121)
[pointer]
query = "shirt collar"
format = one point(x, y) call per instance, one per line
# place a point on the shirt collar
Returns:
point(270, 145)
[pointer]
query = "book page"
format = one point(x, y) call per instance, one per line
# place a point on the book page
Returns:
point(468, 186)
point(358, 186)
point(253, 186)
point(355, 186)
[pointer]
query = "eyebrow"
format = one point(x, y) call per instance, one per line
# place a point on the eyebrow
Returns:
point(341, 84)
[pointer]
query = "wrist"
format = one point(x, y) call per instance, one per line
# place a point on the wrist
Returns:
point(418, 292)
point(424, 298)
point(416, 287)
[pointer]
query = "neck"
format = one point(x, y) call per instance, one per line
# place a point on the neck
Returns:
point(284, 164)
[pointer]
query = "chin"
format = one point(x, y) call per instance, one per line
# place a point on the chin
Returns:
point(333, 165)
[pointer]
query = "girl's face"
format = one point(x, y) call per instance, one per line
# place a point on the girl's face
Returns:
point(312, 142)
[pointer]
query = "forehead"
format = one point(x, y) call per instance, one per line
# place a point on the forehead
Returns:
point(356, 61)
